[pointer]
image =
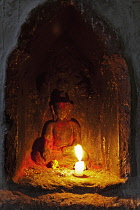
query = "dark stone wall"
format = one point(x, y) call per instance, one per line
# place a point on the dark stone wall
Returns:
point(57, 42)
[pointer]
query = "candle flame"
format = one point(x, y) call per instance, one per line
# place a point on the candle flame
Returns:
point(78, 151)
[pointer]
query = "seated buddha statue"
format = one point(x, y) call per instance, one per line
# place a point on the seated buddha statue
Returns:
point(61, 134)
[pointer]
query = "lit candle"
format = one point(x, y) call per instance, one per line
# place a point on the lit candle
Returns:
point(79, 166)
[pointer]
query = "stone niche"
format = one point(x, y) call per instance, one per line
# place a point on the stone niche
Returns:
point(58, 42)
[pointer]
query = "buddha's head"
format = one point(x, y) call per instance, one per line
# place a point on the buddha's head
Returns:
point(63, 110)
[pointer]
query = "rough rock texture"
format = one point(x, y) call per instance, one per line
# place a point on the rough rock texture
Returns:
point(13, 14)
point(123, 16)
point(17, 200)
point(60, 189)
point(65, 179)
point(96, 75)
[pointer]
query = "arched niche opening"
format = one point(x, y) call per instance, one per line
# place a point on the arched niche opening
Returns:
point(58, 43)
